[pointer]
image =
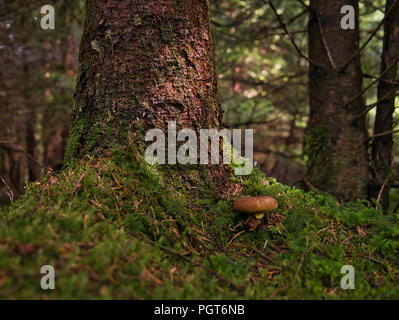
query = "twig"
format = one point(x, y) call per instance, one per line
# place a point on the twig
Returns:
point(383, 134)
point(275, 292)
point(262, 254)
point(396, 208)
point(370, 107)
point(304, 4)
point(370, 76)
point(76, 185)
point(19, 148)
point(372, 83)
point(333, 65)
point(10, 193)
point(309, 184)
point(156, 221)
point(267, 35)
point(370, 258)
point(300, 262)
point(381, 190)
point(240, 290)
point(283, 25)
point(236, 235)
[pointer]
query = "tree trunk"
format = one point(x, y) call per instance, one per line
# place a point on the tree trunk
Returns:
point(336, 137)
point(33, 170)
point(142, 64)
point(382, 146)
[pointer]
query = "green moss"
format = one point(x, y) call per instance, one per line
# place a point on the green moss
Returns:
point(316, 146)
point(166, 32)
point(317, 150)
point(117, 227)
point(74, 140)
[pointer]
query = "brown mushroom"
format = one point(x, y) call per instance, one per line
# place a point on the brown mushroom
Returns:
point(255, 206)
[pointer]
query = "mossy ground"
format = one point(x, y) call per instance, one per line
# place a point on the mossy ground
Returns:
point(118, 228)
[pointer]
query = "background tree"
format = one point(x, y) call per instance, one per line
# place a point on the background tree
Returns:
point(382, 143)
point(263, 83)
point(36, 89)
point(336, 138)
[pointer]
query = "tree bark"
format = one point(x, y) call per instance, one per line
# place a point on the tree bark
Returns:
point(142, 64)
point(335, 144)
point(382, 145)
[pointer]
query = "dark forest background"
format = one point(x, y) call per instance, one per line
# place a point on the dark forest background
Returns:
point(263, 83)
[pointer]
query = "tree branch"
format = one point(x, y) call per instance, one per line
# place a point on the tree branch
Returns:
point(387, 14)
point(304, 4)
point(333, 65)
point(283, 25)
point(381, 134)
point(370, 85)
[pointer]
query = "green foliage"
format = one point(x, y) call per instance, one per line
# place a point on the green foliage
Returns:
point(119, 228)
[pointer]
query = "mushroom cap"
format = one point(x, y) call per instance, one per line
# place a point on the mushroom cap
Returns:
point(252, 205)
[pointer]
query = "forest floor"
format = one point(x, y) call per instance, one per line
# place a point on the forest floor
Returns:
point(118, 228)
